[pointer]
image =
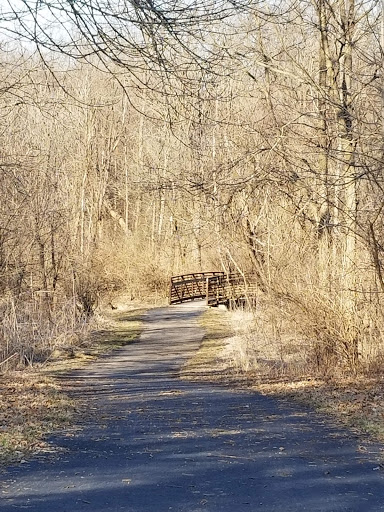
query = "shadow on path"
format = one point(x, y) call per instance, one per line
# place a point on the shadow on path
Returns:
point(156, 443)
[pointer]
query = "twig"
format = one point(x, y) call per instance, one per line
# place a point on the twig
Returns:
point(10, 357)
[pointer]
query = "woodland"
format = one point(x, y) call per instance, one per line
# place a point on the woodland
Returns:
point(144, 139)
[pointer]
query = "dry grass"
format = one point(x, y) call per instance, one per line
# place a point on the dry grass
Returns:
point(208, 361)
point(33, 404)
point(115, 328)
point(29, 335)
point(234, 352)
point(357, 403)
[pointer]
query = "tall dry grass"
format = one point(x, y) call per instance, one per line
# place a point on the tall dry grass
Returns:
point(28, 336)
point(307, 320)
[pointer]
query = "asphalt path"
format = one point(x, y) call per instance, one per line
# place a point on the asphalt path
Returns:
point(155, 443)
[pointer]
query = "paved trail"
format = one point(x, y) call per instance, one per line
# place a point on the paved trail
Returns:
point(159, 444)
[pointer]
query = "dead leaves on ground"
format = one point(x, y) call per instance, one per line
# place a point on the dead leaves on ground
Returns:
point(357, 402)
point(30, 406)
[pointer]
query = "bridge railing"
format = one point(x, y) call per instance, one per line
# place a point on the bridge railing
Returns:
point(190, 286)
point(215, 287)
point(231, 290)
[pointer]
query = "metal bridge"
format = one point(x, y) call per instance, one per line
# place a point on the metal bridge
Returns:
point(215, 287)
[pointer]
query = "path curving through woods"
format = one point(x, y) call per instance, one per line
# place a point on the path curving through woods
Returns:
point(156, 443)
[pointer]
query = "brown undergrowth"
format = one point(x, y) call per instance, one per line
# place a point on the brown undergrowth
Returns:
point(33, 402)
point(229, 356)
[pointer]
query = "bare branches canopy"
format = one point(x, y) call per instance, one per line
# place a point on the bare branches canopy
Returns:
point(132, 34)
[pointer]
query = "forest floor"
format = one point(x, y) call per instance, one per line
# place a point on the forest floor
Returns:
point(355, 401)
point(150, 441)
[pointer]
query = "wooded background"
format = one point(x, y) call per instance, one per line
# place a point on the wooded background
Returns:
point(141, 141)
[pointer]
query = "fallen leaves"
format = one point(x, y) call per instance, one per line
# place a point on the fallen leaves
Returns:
point(171, 392)
point(357, 402)
point(30, 406)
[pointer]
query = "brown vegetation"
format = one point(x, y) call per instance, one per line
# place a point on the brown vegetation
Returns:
point(239, 139)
